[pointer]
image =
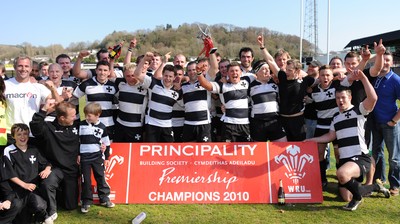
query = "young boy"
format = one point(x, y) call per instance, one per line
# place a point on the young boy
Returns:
point(94, 153)
point(26, 168)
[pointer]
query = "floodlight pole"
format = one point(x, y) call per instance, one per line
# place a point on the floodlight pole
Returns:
point(301, 31)
point(328, 32)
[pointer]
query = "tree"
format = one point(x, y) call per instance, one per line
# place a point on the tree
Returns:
point(90, 60)
point(27, 49)
point(227, 38)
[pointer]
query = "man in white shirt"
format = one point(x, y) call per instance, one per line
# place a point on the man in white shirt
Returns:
point(23, 97)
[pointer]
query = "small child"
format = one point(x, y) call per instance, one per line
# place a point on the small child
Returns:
point(94, 153)
point(25, 167)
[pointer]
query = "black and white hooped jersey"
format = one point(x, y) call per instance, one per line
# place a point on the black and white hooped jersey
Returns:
point(235, 99)
point(132, 101)
point(161, 101)
point(99, 93)
point(349, 128)
point(197, 103)
point(70, 85)
point(264, 100)
point(91, 137)
point(72, 78)
point(325, 103)
point(178, 114)
point(215, 105)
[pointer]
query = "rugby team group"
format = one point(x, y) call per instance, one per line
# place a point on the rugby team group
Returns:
point(49, 148)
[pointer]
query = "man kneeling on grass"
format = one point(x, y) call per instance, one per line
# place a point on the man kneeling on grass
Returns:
point(348, 128)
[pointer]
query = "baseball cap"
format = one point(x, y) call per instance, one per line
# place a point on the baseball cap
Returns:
point(314, 63)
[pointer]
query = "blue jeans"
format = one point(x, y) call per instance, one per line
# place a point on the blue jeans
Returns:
point(380, 164)
point(390, 135)
point(310, 127)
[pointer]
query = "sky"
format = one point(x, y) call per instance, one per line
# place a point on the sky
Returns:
point(42, 23)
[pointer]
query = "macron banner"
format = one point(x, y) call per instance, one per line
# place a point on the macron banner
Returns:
point(178, 173)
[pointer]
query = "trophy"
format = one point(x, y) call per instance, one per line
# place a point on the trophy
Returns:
point(205, 36)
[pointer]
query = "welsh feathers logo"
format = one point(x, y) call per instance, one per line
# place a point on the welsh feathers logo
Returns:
point(114, 160)
point(294, 162)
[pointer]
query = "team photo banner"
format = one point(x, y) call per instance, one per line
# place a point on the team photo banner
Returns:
point(175, 173)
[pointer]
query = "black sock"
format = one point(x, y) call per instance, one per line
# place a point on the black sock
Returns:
point(354, 187)
point(375, 187)
point(322, 170)
point(364, 189)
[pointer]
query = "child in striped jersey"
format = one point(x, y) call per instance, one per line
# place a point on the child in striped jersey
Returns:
point(93, 155)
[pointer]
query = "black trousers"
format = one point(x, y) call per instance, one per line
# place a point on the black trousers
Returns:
point(32, 203)
point(97, 166)
point(127, 134)
point(158, 134)
point(7, 216)
point(294, 128)
point(69, 190)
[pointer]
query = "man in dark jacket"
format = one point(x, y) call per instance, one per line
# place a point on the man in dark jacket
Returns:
point(61, 150)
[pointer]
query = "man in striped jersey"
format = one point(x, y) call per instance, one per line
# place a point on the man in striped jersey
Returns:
point(132, 102)
point(101, 55)
point(63, 87)
point(323, 96)
point(65, 62)
point(234, 96)
point(178, 110)
point(348, 128)
point(162, 97)
point(100, 90)
point(155, 63)
point(197, 125)
point(215, 110)
point(197, 101)
point(264, 122)
point(246, 56)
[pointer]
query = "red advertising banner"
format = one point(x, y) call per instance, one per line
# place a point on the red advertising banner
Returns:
point(213, 172)
point(297, 164)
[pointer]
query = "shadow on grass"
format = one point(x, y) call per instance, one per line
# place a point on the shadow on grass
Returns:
point(308, 207)
point(331, 192)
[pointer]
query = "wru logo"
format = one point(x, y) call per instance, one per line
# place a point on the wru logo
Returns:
point(113, 161)
point(294, 162)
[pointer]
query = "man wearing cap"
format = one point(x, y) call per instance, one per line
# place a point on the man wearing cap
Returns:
point(312, 65)
point(264, 117)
